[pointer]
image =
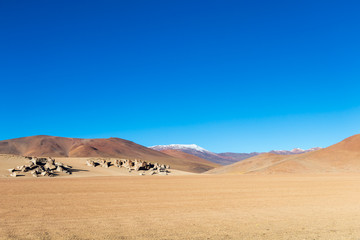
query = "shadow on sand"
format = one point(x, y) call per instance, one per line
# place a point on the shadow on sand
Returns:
point(78, 170)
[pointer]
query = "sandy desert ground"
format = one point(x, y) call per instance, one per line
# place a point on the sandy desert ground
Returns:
point(181, 207)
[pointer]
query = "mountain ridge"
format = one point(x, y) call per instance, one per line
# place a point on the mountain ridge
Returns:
point(226, 157)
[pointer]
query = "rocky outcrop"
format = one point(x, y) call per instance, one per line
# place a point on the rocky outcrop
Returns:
point(41, 166)
point(131, 165)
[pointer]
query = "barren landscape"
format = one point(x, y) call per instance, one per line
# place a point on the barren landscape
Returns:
point(313, 195)
point(179, 120)
point(181, 207)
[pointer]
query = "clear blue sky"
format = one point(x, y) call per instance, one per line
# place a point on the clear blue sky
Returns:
point(235, 76)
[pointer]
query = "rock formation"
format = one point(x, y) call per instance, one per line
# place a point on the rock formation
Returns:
point(41, 166)
point(131, 165)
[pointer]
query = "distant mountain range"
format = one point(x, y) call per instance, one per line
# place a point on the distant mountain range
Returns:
point(294, 151)
point(191, 157)
point(195, 150)
point(223, 158)
point(341, 157)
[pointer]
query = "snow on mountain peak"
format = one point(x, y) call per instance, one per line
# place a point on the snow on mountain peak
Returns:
point(295, 151)
point(179, 147)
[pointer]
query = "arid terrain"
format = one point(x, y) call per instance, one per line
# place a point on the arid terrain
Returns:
point(313, 195)
point(181, 207)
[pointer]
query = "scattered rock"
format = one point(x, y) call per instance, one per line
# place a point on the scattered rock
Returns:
point(130, 165)
point(41, 166)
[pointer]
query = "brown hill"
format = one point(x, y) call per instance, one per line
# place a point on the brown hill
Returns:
point(251, 164)
point(205, 164)
point(111, 147)
point(341, 157)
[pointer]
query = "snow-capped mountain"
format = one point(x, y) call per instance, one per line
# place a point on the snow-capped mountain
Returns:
point(294, 151)
point(179, 147)
point(223, 158)
point(197, 151)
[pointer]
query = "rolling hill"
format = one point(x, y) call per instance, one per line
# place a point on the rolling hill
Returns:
point(206, 165)
point(43, 145)
point(341, 157)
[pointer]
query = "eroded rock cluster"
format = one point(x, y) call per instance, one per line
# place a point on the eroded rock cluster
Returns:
point(131, 165)
point(46, 167)
point(99, 162)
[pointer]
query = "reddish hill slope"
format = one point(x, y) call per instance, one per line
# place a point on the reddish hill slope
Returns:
point(110, 147)
point(341, 157)
point(251, 164)
point(205, 164)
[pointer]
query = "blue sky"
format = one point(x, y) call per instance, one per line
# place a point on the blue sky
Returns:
point(235, 76)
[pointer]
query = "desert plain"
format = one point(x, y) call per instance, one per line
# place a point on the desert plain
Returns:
point(314, 195)
point(179, 206)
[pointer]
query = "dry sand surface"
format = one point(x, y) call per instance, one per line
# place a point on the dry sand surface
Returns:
point(181, 207)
